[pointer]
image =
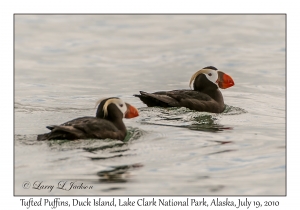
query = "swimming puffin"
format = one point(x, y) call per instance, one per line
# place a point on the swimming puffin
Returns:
point(108, 123)
point(205, 97)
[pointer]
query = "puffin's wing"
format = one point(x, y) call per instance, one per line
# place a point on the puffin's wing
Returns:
point(191, 99)
point(63, 132)
point(188, 94)
point(82, 128)
point(195, 101)
point(69, 130)
point(71, 122)
point(157, 99)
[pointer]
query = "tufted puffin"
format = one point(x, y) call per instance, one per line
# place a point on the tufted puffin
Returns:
point(108, 123)
point(205, 97)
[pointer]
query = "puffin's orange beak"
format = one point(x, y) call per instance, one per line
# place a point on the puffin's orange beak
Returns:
point(224, 80)
point(131, 111)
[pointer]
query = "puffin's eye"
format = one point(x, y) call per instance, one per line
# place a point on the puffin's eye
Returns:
point(121, 105)
point(209, 74)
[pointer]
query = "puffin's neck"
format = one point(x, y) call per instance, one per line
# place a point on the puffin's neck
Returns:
point(119, 124)
point(203, 85)
point(114, 115)
point(121, 127)
point(214, 94)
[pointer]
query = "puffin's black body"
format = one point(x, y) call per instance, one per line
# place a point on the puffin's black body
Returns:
point(108, 123)
point(191, 99)
point(206, 95)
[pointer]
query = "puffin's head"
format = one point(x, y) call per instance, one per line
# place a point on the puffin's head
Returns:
point(115, 108)
point(211, 74)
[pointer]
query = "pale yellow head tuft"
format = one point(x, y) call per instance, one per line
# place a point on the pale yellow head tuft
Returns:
point(197, 73)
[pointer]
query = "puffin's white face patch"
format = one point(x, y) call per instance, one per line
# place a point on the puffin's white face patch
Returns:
point(121, 105)
point(212, 75)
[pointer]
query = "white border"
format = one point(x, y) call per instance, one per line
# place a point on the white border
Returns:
point(8, 8)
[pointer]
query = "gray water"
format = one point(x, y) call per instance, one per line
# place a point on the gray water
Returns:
point(65, 63)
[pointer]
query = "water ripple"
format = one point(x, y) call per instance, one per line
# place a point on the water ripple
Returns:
point(186, 118)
